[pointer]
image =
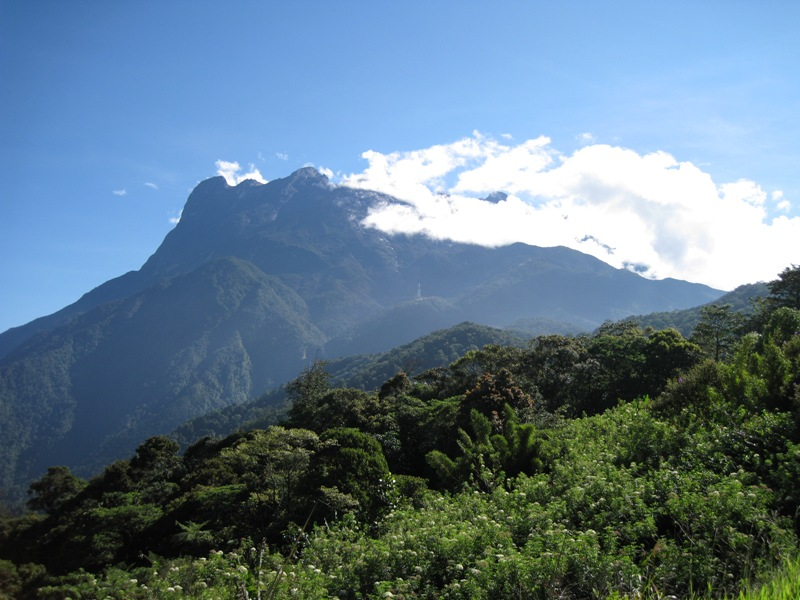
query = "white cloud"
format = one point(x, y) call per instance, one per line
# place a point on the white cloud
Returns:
point(585, 138)
point(282, 155)
point(151, 185)
point(647, 212)
point(230, 171)
point(121, 192)
point(781, 203)
point(176, 220)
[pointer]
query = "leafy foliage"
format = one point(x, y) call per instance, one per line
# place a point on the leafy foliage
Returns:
point(718, 329)
point(626, 464)
point(785, 291)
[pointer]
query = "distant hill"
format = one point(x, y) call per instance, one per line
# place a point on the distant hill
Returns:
point(255, 281)
point(437, 349)
point(685, 320)
point(362, 371)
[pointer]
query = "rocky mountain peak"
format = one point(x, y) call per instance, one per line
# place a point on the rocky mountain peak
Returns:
point(308, 175)
point(496, 197)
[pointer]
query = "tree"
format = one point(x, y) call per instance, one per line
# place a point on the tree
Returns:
point(783, 325)
point(694, 391)
point(305, 392)
point(194, 536)
point(156, 458)
point(114, 533)
point(785, 291)
point(350, 471)
point(486, 460)
point(273, 461)
point(625, 327)
point(477, 461)
point(54, 489)
point(717, 330)
point(778, 359)
point(520, 447)
point(620, 352)
point(562, 370)
point(154, 466)
point(271, 468)
point(395, 386)
point(463, 374)
point(667, 352)
point(492, 392)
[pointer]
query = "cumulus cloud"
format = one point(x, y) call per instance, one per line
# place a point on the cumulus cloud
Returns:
point(231, 172)
point(282, 155)
point(121, 192)
point(649, 213)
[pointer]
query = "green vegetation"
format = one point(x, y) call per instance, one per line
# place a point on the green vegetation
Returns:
point(437, 349)
point(632, 463)
point(743, 300)
point(363, 371)
point(785, 585)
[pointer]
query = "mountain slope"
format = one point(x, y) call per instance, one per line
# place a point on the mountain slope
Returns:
point(130, 367)
point(253, 281)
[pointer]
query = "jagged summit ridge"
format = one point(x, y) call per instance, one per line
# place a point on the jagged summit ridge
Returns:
point(309, 174)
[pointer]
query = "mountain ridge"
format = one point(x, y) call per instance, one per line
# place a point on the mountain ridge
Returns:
point(253, 280)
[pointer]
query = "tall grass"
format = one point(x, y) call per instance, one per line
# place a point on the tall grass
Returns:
point(785, 585)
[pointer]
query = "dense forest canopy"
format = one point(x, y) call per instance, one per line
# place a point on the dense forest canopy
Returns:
point(633, 462)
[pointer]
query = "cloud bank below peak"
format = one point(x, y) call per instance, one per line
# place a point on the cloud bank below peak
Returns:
point(646, 212)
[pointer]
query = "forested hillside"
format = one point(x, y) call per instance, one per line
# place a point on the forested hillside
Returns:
point(744, 299)
point(253, 281)
point(364, 371)
point(440, 348)
point(631, 463)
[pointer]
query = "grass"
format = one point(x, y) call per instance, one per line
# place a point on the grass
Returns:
point(785, 585)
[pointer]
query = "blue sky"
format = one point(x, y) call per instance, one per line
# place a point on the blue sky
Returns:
point(663, 134)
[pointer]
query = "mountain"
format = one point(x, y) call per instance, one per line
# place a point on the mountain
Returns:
point(362, 371)
point(253, 282)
